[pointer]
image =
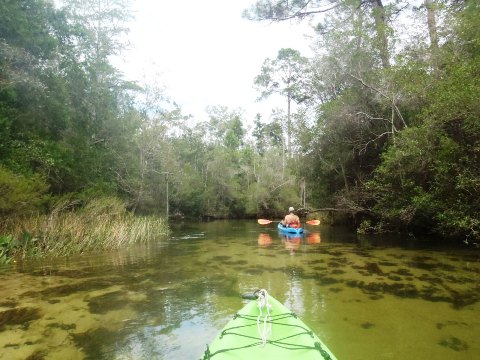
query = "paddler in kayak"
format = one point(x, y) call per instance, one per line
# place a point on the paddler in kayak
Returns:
point(291, 220)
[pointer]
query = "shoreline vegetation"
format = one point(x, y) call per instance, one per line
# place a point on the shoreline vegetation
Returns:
point(75, 228)
point(384, 125)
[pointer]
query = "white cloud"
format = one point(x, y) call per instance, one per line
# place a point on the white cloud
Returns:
point(205, 52)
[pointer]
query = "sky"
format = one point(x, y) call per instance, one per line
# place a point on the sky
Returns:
point(205, 54)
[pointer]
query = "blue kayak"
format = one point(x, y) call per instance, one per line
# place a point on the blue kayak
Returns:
point(289, 230)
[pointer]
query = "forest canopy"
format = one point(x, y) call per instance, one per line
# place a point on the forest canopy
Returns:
point(386, 119)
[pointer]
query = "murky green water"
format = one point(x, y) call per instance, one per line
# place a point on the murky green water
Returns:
point(169, 299)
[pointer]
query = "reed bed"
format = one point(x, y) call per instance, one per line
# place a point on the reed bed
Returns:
point(73, 228)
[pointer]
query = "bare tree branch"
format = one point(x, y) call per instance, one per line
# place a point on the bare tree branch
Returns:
point(276, 187)
point(394, 105)
point(301, 13)
point(364, 148)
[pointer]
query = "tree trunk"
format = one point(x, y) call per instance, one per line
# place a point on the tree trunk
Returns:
point(289, 125)
point(358, 21)
point(344, 175)
point(168, 210)
point(380, 28)
point(142, 180)
point(283, 157)
point(432, 31)
point(304, 194)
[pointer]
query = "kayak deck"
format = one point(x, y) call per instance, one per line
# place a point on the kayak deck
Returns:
point(273, 333)
point(289, 230)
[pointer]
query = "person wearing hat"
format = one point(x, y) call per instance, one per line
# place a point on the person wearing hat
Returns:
point(291, 220)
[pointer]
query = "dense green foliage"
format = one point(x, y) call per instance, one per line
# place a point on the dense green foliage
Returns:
point(430, 176)
point(386, 121)
point(397, 111)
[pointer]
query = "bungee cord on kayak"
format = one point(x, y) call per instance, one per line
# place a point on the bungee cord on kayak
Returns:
point(262, 302)
point(265, 323)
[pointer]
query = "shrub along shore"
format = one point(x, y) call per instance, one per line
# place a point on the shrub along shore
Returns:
point(386, 126)
point(74, 227)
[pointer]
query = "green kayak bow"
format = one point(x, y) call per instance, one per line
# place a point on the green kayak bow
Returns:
point(265, 329)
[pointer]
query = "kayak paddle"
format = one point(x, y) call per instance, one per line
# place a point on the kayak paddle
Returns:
point(266, 222)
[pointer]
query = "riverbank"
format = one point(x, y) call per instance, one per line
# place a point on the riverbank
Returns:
point(70, 228)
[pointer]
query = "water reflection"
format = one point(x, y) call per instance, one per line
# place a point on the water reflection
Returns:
point(314, 238)
point(294, 297)
point(264, 240)
point(166, 300)
point(292, 243)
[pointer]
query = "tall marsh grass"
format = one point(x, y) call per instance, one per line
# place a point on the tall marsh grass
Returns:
point(71, 228)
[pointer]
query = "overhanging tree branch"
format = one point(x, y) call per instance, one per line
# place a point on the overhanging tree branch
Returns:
point(392, 99)
point(282, 10)
point(302, 14)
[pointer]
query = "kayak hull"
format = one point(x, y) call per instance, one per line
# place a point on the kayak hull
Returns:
point(288, 337)
point(289, 230)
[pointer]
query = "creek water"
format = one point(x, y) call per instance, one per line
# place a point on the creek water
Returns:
point(366, 298)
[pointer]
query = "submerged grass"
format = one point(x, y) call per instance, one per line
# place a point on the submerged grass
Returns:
point(72, 229)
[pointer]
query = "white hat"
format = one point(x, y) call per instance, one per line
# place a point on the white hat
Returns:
point(291, 209)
